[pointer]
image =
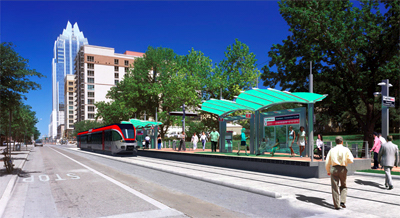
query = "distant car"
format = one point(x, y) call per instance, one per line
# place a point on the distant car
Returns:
point(38, 142)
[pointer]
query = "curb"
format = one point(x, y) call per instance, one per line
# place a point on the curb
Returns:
point(10, 187)
point(375, 175)
point(217, 182)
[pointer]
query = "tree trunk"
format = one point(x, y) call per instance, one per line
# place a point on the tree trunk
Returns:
point(369, 129)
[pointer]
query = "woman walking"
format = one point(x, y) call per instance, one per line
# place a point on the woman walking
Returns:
point(195, 139)
point(159, 142)
point(203, 139)
point(302, 140)
point(292, 137)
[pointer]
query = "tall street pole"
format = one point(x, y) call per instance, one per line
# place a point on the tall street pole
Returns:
point(385, 109)
point(311, 118)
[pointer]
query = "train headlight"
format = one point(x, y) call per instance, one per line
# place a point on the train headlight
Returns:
point(122, 141)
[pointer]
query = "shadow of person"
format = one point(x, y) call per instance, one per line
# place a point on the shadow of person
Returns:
point(363, 182)
point(314, 200)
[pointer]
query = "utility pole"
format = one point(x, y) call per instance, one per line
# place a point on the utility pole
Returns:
point(311, 118)
point(183, 117)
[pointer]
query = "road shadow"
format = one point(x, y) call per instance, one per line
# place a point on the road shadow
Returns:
point(369, 183)
point(19, 172)
point(314, 200)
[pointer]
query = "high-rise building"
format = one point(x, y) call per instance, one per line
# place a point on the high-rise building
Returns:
point(65, 49)
point(70, 98)
point(98, 69)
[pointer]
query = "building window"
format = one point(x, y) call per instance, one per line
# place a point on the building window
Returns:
point(90, 116)
point(90, 58)
point(126, 63)
point(116, 68)
point(90, 80)
point(71, 83)
point(116, 82)
point(116, 75)
point(90, 101)
point(90, 87)
point(71, 107)
point(71, 112)
point(90, 66)
point(71, 93)
point(70, 89)
point(70, 102)
point(71, 116)
point(71, 98)
point(90, 73)
point(116, 61)
point(126, 69)
point(71, 121)
point(90, 108)
point(90, 94)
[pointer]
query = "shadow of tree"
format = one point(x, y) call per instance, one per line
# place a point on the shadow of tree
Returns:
point(369, 183)
point(19, 172)
point(314, 200)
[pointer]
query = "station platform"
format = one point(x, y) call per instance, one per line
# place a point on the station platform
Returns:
point(280, 164)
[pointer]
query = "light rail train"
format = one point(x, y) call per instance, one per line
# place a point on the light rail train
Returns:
point(114, 139)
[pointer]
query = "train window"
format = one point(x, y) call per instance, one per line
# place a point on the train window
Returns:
point(116, 136)
point(128, 133)
point(89, 139)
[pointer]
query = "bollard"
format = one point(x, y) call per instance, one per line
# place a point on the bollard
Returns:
point(367, 150)
point(354, 150)
point(323, 152)
point(169, 141)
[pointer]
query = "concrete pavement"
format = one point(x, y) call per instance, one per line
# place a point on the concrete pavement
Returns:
point(364, 191)
point(7, 181)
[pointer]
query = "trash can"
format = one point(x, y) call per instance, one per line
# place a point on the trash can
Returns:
point(174, 144)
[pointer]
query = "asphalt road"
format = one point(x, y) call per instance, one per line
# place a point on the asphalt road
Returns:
point(58, 182)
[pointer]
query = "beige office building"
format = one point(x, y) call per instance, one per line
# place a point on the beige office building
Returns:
point(97, 69)
point(69, 105)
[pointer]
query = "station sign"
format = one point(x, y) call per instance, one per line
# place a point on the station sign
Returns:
point(221, 119)
point(282, 120)
point(248, 116)
point(388, 101)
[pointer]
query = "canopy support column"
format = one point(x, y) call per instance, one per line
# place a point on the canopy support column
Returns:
point(222, 133)
point(252, 134)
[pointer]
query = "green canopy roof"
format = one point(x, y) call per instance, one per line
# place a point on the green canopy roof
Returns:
point(141, 123)
point(258, 99)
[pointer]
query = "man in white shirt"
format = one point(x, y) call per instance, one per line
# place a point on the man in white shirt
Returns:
point(336, 162)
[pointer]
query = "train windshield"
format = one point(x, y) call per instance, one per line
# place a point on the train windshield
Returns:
point(128, 133)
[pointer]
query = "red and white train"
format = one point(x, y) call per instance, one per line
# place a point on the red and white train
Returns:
point(114, 139)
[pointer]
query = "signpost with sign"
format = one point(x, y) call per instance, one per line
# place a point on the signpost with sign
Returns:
point(388, 101)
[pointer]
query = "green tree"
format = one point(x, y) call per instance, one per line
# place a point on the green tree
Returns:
point(14, 83)
point(113, 112)
point(352, 49)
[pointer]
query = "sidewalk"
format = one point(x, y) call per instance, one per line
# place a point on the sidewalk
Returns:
point(363, 191)
point(7, 181)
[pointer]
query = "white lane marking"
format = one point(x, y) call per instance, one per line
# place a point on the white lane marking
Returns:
point(150, 213)
point(127, 188)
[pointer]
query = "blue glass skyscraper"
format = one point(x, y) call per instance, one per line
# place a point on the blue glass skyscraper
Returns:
point(65, 49)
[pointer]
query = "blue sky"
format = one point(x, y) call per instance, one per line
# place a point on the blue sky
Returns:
point(206, 26)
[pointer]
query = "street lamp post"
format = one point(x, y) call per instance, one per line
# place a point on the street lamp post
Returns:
point(385, 85)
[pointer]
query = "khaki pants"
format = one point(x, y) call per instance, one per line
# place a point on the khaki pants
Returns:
point(338, 173)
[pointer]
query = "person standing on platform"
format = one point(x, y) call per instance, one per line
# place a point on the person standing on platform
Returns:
point(159, 142)
point(194, 140)
point(336, 162)
point(147, 138)
point(292, 137)
point(203, 139)
point(182, 144)
point(388, 158)
point(242, 142)
point(375, 149)
point(302, 140)
point(214, 135)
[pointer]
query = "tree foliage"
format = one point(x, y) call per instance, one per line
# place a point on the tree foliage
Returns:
point(352, 50)
point(85, 125)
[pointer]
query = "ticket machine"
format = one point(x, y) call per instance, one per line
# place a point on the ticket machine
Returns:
point(228, 141)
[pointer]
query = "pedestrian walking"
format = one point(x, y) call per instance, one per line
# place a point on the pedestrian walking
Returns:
point(292, 137)
point(375, 149)
point(336, 162)
point(388, 158)
point(147, 138)
point(182, 144)
point(242, 142)
point(214, 135)
point(195, 140)
point(203, 139)
point(302, 140)
point(159, 141)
